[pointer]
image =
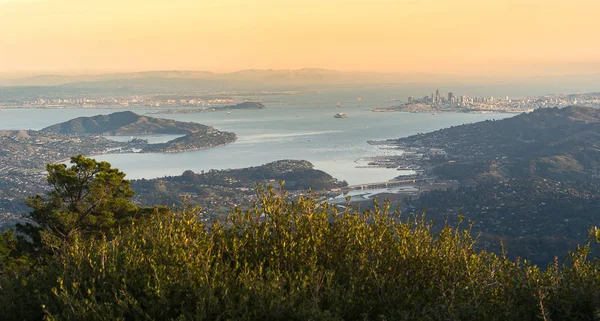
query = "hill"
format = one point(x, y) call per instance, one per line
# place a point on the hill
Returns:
point(198, 140)
point(550, 143)
point(87, 252)
point(125, 123)
point(244, 105)
point(217, 191)
point(531, 179)
point(197, 136)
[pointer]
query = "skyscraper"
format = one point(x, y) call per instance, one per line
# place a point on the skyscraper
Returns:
point(451, 98)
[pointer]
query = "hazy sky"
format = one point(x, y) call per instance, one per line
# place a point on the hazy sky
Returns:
point(441, 36)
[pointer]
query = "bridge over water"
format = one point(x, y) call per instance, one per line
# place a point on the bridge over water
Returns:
point(386, 184)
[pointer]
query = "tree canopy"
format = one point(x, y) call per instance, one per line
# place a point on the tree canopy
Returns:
point(282, 260)
point(88, 198)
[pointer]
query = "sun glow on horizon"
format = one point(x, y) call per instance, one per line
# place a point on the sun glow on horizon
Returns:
point(440, 36)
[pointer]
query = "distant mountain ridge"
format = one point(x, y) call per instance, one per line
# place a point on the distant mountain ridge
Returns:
point(125, 123)
point(243, 78)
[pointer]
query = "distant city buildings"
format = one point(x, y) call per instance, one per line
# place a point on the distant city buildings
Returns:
point(449, 102)
point(126, 101)
point(451, 98)
point(438, 101)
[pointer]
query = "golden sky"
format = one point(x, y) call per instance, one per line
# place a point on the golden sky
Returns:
point(439, 36)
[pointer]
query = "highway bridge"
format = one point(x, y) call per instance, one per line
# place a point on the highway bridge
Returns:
point(387, 184)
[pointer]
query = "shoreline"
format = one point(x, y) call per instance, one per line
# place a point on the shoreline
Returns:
point(63, 160)
point(390, 110)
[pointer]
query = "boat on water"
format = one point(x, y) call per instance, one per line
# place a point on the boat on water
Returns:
point(340, 115)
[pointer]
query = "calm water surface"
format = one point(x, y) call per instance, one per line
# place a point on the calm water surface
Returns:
point(292, 127)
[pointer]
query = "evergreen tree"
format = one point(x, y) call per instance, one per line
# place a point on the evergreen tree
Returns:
point(89, 198)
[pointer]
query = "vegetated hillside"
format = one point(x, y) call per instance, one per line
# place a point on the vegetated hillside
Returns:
point(125, 123)
point(298, 174)
point(88, 253)
point(531, 179)
point(32, 149)
point(198, 140)
point(24, 155)
point(217, 191)
point(550, 142)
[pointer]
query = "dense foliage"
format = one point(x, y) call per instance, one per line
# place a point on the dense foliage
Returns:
point(282, 260)
point(88, 198)
point(537, 218)
point(531, 179)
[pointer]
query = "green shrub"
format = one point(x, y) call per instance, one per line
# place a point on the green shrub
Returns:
point(88, 253)
point(303, 260)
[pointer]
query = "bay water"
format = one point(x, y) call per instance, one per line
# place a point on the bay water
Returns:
point(291, 127)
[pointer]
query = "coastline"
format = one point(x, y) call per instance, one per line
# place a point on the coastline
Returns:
point(63, 160)
point(464, 111)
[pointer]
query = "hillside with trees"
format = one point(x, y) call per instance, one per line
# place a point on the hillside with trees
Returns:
point(196, 136)
point(88, 253)
point(24, 153)
point(194, 141)
point(548, 142)
point(124, 123)
point(531, 180)
point(218, 191)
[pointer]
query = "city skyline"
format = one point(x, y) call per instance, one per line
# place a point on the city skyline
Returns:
point(463, 37)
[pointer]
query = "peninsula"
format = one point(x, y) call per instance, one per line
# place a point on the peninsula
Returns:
point(197, 136)
point(198, 140)
point(216, 191)
point(438, 102)
point(532, 180)
point(551, 143)
point(24, 153)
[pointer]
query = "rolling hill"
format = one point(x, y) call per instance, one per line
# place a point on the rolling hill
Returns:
point(548, 143)
point(125, 123)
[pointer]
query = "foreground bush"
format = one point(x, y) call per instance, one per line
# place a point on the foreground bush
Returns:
point(295, 261)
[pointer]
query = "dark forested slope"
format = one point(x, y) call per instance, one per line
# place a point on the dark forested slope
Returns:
point(550, 142)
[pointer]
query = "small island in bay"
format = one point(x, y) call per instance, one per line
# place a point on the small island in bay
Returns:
point(247, 105)
point(198, 140)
